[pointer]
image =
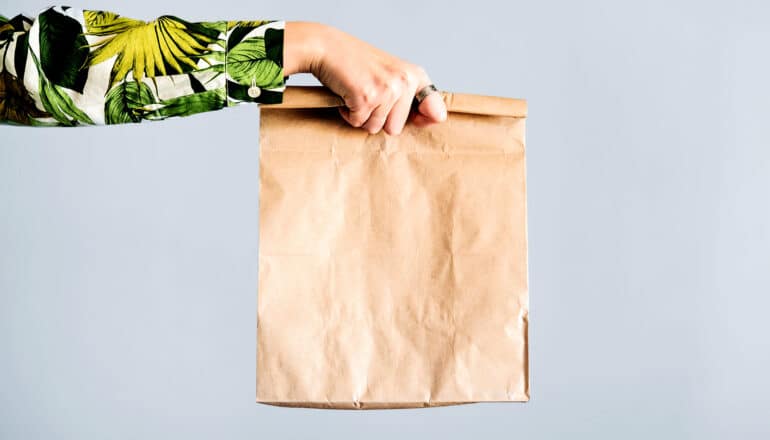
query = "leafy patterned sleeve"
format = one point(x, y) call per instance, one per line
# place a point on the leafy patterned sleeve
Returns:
point(68, 67)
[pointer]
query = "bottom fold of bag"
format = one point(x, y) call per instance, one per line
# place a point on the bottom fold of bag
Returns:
point(374, 405)
point(363, 405)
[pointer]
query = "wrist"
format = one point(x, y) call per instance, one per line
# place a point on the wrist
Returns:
point(304, 46)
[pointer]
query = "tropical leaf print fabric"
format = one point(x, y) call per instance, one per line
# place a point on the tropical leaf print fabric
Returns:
point(70, 67)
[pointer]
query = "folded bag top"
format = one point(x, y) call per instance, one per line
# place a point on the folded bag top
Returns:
point(392, 269)
point(321, 97)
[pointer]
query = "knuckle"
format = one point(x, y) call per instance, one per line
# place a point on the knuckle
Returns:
point(404, 76)
point(396, 86)
point(369, 96)
point(420, 71)
point(391, 91)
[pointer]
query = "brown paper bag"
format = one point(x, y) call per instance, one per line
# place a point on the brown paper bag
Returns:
point(392, 269)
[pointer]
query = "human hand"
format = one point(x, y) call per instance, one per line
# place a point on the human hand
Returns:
point(378, 89)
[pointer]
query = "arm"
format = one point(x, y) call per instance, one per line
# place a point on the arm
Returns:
point(97, 67)
point(71, 67)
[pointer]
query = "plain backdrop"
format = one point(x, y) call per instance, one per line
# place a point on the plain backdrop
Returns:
point(128, 254)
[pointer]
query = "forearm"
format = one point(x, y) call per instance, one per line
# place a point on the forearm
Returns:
point(66, 66)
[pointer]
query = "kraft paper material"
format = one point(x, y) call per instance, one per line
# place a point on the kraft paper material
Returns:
point(392, 269)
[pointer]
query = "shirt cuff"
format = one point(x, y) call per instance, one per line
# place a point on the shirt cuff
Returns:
point(254, 62)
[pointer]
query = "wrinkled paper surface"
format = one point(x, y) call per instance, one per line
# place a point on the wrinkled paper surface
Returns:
point(392, 269)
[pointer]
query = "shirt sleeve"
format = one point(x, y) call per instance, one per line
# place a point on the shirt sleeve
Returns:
point(69, 67)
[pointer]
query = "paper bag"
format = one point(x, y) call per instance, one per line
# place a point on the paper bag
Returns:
point(392, 269)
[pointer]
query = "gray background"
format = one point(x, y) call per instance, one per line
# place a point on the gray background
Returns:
point(128, 270)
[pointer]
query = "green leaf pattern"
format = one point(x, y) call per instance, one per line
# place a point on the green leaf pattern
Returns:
point(247, 61)
point(97, 67)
